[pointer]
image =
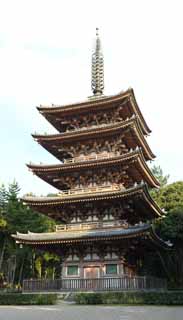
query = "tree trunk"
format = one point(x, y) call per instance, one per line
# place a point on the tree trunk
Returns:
point(164, 265)
point(21, 270)
point(2, 253)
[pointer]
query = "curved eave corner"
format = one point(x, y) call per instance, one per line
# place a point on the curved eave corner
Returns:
point(151, 202)
point(158, 241)
point(132, 94)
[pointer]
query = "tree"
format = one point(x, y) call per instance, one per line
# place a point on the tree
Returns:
point(158, 173)
point(15, 216)
point(171, 228)
point(13, 191)
point(3, 223)
point(170, 196)
point(163, 180)
point(3, 197)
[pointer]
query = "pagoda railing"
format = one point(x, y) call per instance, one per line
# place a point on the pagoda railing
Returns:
point(90, 190)
point(91, 157)
point(95, 284)
point(92, 225)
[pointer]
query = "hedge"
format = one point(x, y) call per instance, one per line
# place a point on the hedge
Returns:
point(135, 298)
point(27, 299)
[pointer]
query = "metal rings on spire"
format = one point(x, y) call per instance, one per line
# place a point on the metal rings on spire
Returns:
point(97, 68)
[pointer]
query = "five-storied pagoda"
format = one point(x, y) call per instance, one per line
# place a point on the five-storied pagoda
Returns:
point(103, 203)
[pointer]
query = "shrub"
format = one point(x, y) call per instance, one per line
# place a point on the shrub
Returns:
point(27, 299)
point(136, 298)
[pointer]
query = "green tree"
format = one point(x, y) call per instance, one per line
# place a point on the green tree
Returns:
point(171, 228)
point(170, 199)
point(170, 196)
point(3, 197)
point(15, 216)
point(3, 224)
point(158, 173)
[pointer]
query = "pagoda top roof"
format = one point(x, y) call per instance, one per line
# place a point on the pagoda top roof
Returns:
point(60, 237)
point(43, 204)
point(92, 103)
point(133, 156)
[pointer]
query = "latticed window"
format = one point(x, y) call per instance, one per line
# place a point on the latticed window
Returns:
point(72, 270)
point(111, 268)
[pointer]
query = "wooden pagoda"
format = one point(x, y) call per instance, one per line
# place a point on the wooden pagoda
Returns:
point(103, 203)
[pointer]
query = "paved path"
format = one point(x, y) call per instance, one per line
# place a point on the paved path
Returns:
point(72, 312)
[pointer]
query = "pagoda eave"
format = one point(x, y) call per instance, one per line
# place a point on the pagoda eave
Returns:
point(134, 159)
point(70, 238)
point(82, 236)
point(139, 193)
point(130, 127)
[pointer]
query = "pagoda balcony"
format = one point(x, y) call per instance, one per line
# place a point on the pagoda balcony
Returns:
point(92, 225)
point(83, 158)
point(90, 190)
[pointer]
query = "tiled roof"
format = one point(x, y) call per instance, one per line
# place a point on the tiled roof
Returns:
point(82, 234)
point(60, 237)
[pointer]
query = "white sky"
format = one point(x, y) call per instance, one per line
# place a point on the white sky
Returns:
point(45, 55)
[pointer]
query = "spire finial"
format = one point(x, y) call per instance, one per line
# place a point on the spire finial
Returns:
point(97, 68)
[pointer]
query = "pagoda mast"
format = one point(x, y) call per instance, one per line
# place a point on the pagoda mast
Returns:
point(97, 83)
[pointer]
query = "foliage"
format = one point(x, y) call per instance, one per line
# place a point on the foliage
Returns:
point(27, 299)
point(158, 173)
point(132, 297)
point(3, 223)
point(171, 228)
point(15, 216)
point(170, 196)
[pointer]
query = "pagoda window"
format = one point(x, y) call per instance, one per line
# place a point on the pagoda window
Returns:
point(107, 256)
point(73, 270)
point(75, 257)
point(87, 257)
point(111, 269)
point(114, 255)
point(95, 256)
point(69, 258)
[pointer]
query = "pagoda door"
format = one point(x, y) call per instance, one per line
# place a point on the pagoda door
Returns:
point(91, 274)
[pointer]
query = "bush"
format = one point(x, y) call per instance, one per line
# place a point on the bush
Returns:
point(135, 298)
point(27, 299)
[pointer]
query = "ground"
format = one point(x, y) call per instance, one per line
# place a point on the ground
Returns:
point(72, 312)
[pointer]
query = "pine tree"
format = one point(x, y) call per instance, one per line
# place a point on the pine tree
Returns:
point(13, 191)
point(3, 197)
